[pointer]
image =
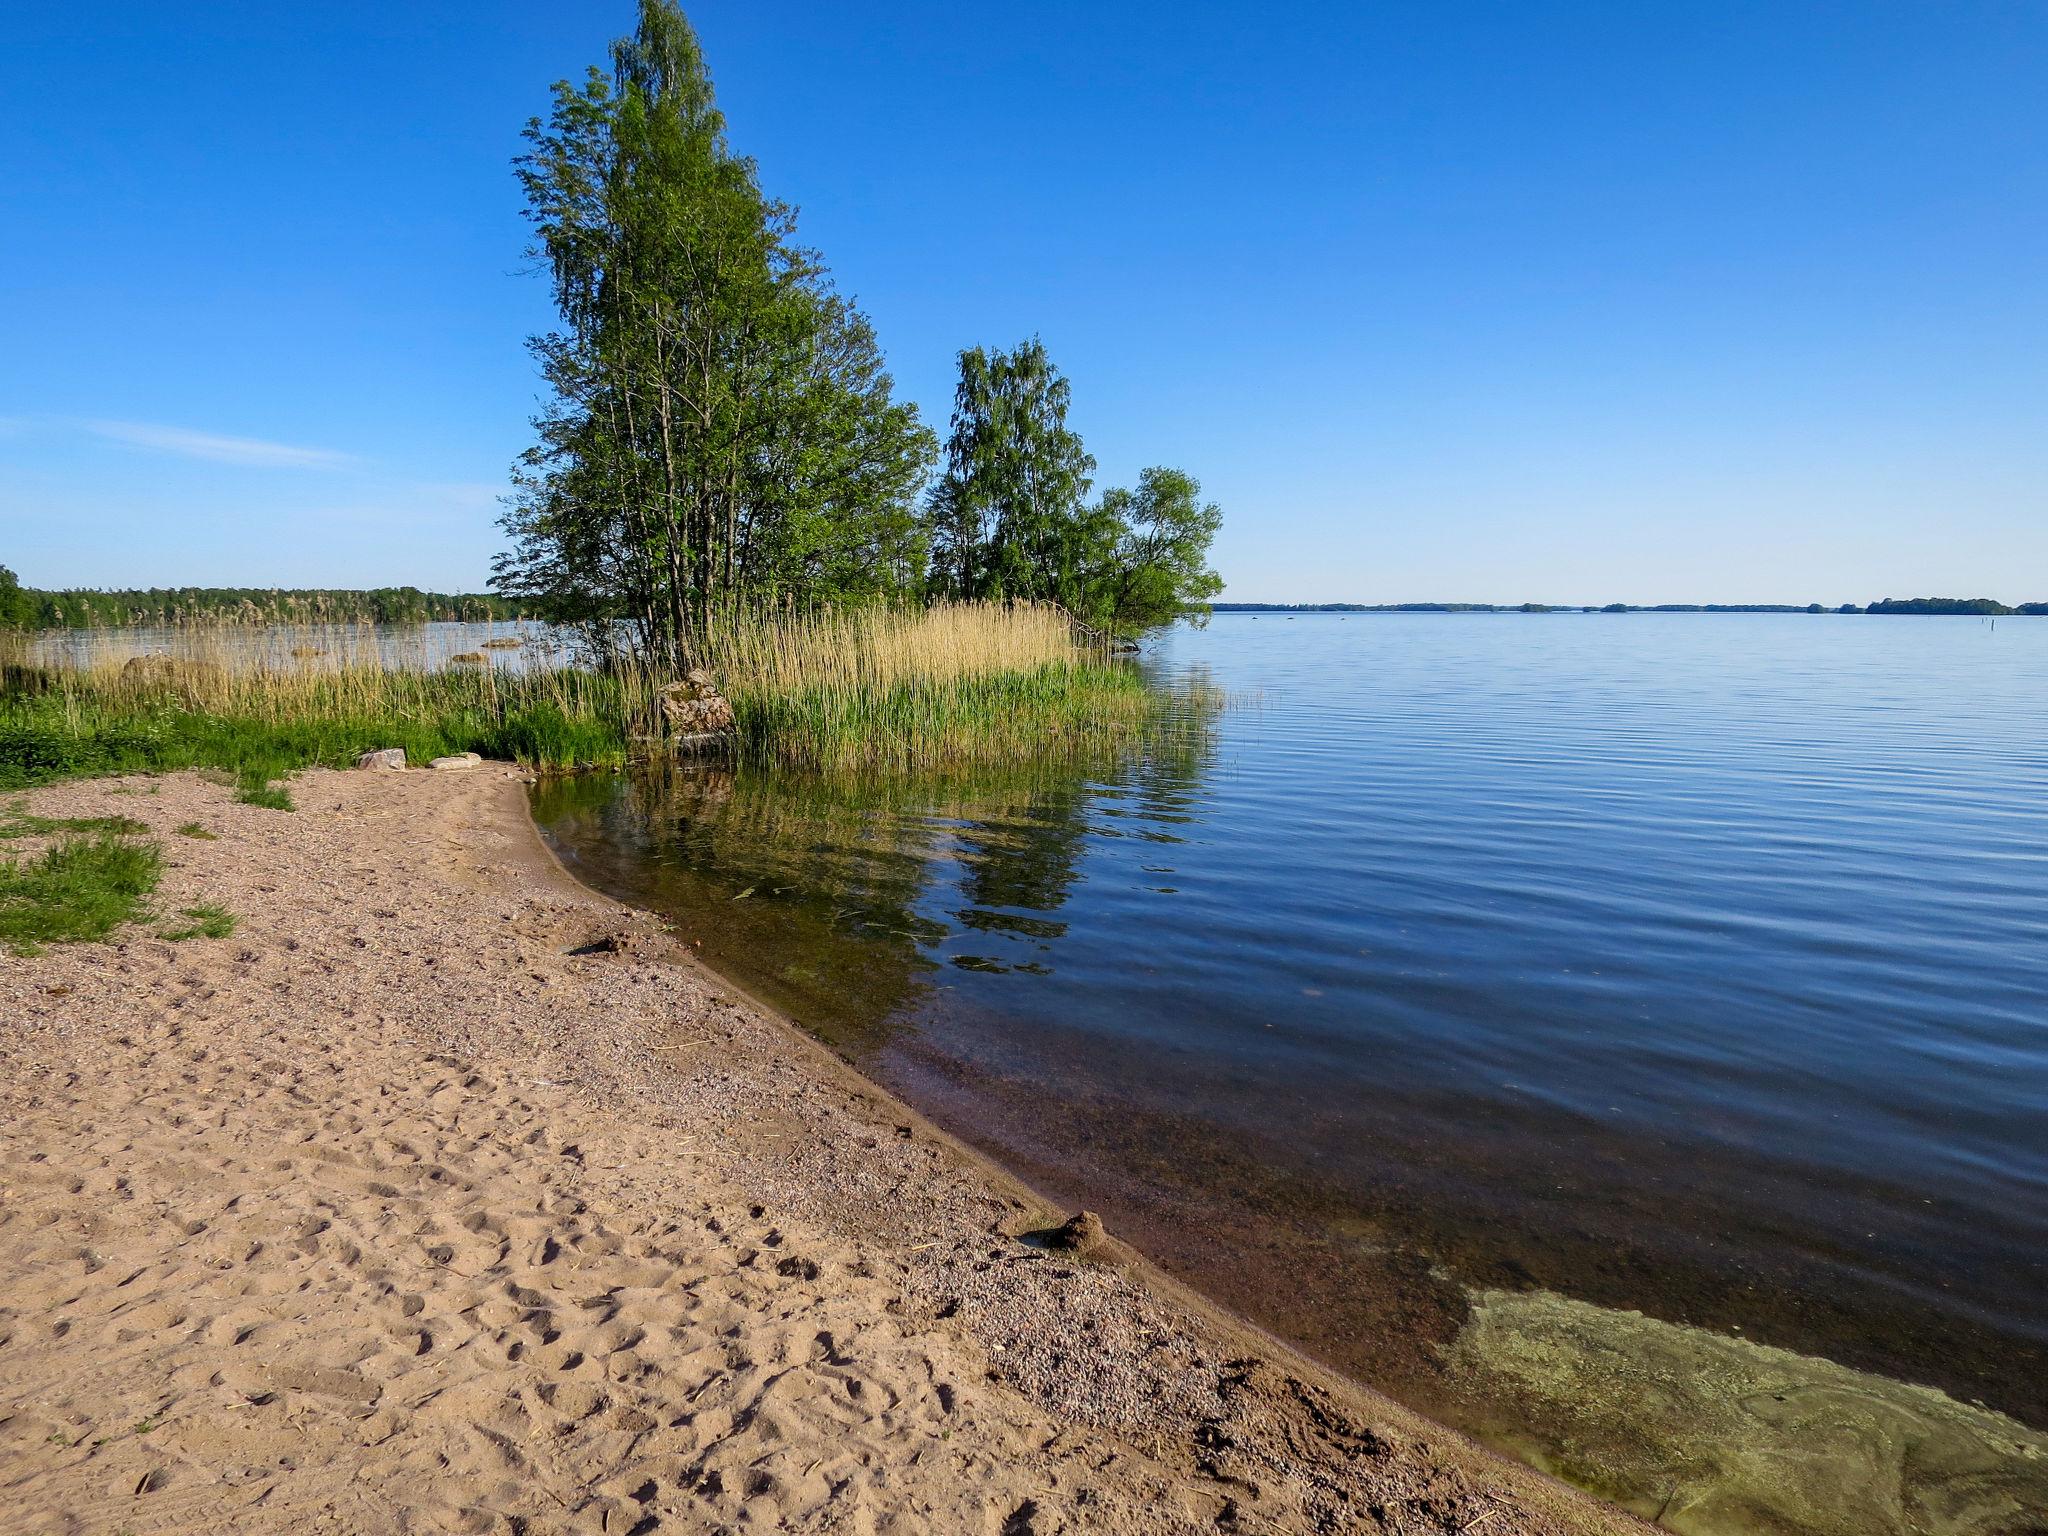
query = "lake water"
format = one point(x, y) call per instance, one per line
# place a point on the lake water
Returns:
point(1688, 965)
point(507, 644)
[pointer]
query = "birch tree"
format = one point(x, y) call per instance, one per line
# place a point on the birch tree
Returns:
point(1009, 516)
point(722, 428)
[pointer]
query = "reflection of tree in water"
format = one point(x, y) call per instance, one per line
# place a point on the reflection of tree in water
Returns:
point(1020, 862)
point(1027, 857)
point(809, 886)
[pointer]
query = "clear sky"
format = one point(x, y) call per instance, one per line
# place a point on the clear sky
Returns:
point(1492, 302)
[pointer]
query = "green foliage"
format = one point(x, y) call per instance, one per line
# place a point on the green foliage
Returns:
point(208, 921)
point(722, 429)
point(1008, 514)
point(1956, 605)
point(1009, 517)
point(196, 830)
point(17, 604)
point(722, 436)
point(1154, 565)
point(84, 887)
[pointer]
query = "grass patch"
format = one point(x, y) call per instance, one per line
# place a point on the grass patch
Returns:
point(17, 821)
point(83, 888)
point(207, 922)
point(263, 727)
point(194, 829)
point(258, 790)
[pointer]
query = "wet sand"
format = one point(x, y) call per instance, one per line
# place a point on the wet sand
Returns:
point(448, 1195)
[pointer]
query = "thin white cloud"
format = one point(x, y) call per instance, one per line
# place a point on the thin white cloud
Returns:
point(466, 495)
point(250, 451)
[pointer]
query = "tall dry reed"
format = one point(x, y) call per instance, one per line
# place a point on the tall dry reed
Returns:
point(836, 687)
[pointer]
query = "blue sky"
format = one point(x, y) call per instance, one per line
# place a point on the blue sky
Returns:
point(1565, 302)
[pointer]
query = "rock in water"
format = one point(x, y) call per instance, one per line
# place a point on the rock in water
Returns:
point(383, 757)
point(457, 760)
point(694, 706)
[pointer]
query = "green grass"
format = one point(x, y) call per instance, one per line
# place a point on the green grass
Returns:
point(97, 876)
point(47, 738)
point(84, 887)
point(194, 829)
point(256, 789)
point(207, 922)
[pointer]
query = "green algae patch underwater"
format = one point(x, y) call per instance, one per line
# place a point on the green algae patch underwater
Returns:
point(1717, 1436)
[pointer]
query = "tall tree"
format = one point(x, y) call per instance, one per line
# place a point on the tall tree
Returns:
point(1007, 515)
point(1010, 518)
point(722, 427)
point(17, 607)
point(1154, 565)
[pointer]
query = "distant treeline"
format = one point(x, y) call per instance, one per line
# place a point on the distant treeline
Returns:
point(1375, 608)
point(1525, 608)
point(1978, 605)
point(1962, 605)
point(86, 608)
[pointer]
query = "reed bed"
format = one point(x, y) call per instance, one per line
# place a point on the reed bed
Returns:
point(879, 687)
point(904, 688)
point(260, 704)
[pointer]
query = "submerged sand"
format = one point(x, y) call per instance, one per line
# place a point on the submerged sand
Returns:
point(448, 1195)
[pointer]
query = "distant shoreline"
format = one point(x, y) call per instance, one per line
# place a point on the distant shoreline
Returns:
point(1965, 607)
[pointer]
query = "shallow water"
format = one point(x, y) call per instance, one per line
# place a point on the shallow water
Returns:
point(1692, 964)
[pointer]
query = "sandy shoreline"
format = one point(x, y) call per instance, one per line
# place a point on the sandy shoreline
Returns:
point(393, 1212)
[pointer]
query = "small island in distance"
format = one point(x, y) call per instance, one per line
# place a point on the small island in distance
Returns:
point(1975, 606)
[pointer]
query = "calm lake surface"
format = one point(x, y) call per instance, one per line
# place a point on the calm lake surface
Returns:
point(1690, 964)
point(506, 644)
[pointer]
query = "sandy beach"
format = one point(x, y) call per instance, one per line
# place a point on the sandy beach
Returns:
point(448, 1195)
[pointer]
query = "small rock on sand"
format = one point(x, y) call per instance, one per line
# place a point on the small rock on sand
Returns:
point(383, 757)
point(1080, 1233)
point(456, 760)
